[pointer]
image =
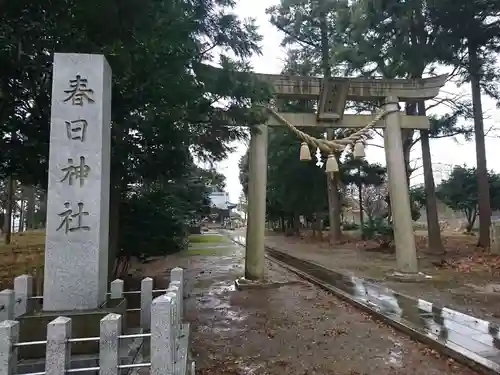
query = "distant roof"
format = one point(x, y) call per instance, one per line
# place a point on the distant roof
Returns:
point(224, 206)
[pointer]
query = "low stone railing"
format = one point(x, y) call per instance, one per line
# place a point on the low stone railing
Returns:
point(161, 320)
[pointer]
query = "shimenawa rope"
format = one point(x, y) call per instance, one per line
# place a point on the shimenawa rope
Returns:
point(331, 146)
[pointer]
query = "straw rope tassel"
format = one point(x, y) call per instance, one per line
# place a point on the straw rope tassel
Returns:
point(332, 146)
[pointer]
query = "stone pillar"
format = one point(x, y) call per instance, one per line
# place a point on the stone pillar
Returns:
point(76, 242)
point(404, 239)
point(257, 181)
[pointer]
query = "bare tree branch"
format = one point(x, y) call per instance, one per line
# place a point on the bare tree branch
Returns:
point(374, 145)
point(492, 128)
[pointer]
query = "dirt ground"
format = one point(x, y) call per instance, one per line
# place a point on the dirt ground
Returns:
point(293, 329)
point(469, 280)
point(23, 255)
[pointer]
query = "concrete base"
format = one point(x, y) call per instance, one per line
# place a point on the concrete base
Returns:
point(86, 323)
point(408, 277)
point(244, 284)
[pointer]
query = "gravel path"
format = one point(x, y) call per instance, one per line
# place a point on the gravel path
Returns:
point(293, 329)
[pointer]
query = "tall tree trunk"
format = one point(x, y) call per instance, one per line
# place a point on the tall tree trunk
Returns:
point(11, 186)
point(331, 183)
point(407, 138)
point(10, 208)
point(319, 218)
point(114, 214)
point(22, 215)
point(30, 207)
point(314, 225)
point(325, 49)
point(296, 224)
point(118, 187)
point(433, 231)
point(361, 212)
point(43, 207)
point(334, 210)
point(482, 171)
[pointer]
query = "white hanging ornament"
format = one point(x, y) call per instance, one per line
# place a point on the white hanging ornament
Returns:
point(305, 153)
point(359, 150)
point(319, 161)
point(331, 164)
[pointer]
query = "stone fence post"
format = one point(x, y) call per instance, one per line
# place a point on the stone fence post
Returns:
point(7, 303)
point(109, 344)
point(163, 316)
point(162, 335)
point(146, 298)
point(9, 335)
point(177, 279)
point(116, 289)
point(23, 291)
point(177, 274)
point(173, 293)
point(58, 352)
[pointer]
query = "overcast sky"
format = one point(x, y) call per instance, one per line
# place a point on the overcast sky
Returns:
point(445, 152)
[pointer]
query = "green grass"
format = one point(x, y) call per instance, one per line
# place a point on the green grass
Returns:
point(208, 245)
point(207, 251)
point(207, 238)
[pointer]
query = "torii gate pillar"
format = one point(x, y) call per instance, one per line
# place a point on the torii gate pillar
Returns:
point(404, 239)
point(256, 211)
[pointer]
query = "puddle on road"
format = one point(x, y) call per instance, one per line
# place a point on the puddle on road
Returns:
point(216, 297)
point(216, 300)
point(248, 370)
point(395, 357)
point(493, 289)
point(239, 239)
point(207, 265)
point(465, 334)
point(222, 287)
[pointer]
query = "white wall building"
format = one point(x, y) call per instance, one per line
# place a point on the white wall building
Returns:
point(220, 199)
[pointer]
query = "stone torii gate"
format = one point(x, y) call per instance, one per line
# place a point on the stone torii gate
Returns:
point(332, 95)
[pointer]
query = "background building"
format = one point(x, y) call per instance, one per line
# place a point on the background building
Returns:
point(221, 207)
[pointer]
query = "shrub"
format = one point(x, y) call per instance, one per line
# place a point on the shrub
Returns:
point(350, 226)
point(380, 230)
